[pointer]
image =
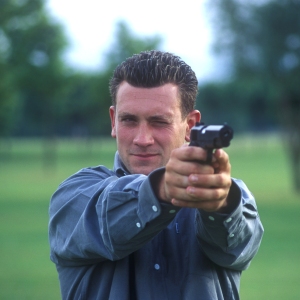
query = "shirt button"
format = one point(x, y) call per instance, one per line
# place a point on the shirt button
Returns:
point(172, 211)
point(211, 218)
point(156, 266)
point(154, 208)
point(228, 220)
point(231, 235)
point(138, 224)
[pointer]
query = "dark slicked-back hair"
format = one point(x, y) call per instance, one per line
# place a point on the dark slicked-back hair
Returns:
point(153, 69)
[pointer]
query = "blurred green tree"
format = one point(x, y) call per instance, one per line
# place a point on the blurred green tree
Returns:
point(31, 47)
point(87, 98)
point(262, 42)
point(126, 43)
point(8, 100)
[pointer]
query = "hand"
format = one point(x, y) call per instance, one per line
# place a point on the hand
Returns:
point(189, 183)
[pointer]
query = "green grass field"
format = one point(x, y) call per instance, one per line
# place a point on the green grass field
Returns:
point(28, 177)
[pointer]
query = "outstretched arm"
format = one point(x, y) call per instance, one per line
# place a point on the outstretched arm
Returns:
point(228, 224)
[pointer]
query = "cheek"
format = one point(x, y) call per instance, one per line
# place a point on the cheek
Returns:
point(124, 135)
point(170, 140)
point(180, 136)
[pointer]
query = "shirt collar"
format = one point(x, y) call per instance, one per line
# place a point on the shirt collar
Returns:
point(119, 167)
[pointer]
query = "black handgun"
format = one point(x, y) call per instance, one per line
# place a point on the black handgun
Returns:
point(211, 137)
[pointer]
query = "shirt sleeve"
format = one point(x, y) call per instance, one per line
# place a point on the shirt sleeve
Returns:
point(96, 216)
point(231, 240)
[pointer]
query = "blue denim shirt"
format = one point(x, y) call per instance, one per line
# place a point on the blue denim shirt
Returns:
point(111, 239)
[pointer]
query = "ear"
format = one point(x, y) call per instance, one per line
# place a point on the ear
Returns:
point(192, 118)
point(112, 115)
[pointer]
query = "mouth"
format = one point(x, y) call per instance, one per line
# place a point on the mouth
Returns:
point(144, 163)
point(144, 155)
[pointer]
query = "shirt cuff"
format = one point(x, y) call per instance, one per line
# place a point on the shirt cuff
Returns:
point(154, 178)
point(150, 207)
point(235, 197)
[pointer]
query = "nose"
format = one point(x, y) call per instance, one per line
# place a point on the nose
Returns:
point(143, 136)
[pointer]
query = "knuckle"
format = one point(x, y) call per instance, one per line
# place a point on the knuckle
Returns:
point(217, 195)
point(194, 168)
point(223, 180)
point(189, 151)
point(195, 153)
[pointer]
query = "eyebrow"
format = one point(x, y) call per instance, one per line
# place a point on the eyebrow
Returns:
point(165, 117)
point(126, 115)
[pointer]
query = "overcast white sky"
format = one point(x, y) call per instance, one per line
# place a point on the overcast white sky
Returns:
point(90, 26)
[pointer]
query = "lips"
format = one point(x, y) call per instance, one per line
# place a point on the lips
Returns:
point(144, 155)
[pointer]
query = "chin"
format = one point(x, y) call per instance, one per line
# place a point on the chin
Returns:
point(142, 170)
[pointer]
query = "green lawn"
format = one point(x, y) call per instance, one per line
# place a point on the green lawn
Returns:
point(29, 175)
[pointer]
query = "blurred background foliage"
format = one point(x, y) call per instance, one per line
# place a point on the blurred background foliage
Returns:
point(41, 96)
point(54, 120)
point(261, 41)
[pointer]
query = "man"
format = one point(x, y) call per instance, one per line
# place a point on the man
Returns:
point(162, 224)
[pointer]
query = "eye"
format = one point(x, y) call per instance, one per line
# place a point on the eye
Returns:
point(160, 123)
point(128, 120)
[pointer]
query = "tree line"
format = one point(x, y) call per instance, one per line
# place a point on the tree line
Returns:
point(262, 43)
point(40, 95)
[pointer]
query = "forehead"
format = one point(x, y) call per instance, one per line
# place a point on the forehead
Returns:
point(165, 97)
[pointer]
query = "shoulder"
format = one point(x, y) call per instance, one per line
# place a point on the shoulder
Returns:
point(85, 181)
point(89, 174)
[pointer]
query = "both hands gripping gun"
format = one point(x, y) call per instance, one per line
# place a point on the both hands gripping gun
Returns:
point(211, 137)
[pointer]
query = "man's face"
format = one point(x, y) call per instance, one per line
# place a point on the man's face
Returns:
point(147, 124)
